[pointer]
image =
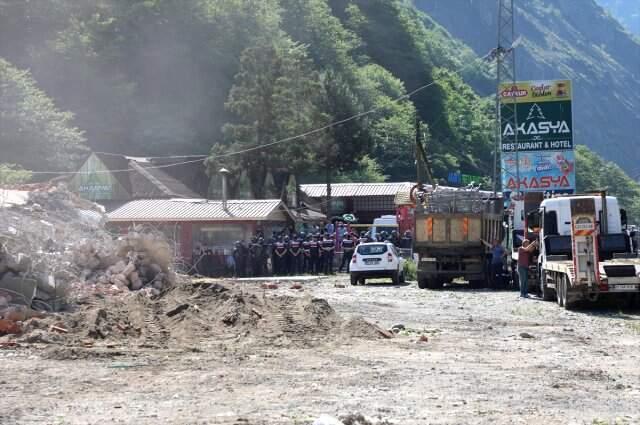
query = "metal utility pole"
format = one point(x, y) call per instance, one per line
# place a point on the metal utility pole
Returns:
point(505, 74)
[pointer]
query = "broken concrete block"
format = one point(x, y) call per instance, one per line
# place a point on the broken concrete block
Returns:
point(20, 285)
point(117, 268)
point(129, 268)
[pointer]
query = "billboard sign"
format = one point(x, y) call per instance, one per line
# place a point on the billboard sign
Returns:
point(543, 113)
point(458, 178)
point(540, 171)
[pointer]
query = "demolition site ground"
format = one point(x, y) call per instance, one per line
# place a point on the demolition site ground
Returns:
point(227, 352)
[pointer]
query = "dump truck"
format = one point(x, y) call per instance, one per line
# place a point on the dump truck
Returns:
point(585, 250)
point(454, 230)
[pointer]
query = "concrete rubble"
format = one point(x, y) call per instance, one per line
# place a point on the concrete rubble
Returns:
point(56, 250)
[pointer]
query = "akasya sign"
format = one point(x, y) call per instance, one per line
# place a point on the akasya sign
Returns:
point(544, 118)
point(552, 171)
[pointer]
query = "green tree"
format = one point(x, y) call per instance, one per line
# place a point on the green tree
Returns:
point(33, 132)
point(595, 173)
point(275, 96)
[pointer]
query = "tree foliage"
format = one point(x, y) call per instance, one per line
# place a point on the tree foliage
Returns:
point(221, 77)
point(594, 173)
point(31, 127)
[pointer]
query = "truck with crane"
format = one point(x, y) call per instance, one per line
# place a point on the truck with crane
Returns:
point(585, 251)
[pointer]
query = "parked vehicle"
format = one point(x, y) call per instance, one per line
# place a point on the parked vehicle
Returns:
point(385, 223)
point(376, 260)
point(585, 250)
point(454, 232)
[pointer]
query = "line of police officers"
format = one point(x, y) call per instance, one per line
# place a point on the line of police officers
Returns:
point(300, 253)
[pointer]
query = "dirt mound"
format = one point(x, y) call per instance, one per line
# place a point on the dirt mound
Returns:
point(194, 314)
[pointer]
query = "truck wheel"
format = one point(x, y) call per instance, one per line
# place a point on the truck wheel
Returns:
point(477, 284)
point(354, 279)
point(422, 283)
point(395, 278)
point(545, 293)
point(560, 291)
point(435, 283)
point(568, 305)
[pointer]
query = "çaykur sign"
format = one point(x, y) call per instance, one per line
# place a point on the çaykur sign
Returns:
point(552, 171)
point(542, 110)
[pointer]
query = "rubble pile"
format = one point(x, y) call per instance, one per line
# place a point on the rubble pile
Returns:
point(55, 249)
point(190, 316)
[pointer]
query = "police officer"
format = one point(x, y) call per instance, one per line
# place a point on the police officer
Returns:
point(280, 251)
point(328, 249)
point(407, 241)
point(295, 256)
point(395, 239)
point(255, 254)
point(239, 260)
point(348, 246)
point(306, 255)
point(314, 255)
point(263, 256)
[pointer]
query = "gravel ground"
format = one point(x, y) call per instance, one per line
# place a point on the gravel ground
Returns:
point(488, 358)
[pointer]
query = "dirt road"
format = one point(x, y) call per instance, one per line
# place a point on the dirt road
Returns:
point(490, 358)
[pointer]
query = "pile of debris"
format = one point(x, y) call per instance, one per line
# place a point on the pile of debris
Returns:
point(190, 316)
point(55, 249)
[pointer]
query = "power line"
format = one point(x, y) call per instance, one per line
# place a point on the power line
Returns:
point(259, 147)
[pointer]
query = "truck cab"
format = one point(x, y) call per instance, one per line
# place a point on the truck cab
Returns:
point(585, 250)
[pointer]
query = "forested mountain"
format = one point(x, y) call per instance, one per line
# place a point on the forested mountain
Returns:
point(214, 77)
point(160, 77)
point(563, 40)
point(625, 11)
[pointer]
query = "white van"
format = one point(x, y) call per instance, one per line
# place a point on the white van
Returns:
point(385, 223)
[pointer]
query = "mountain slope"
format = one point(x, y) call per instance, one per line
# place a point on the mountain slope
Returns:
point(625, 11)
point(560, 40)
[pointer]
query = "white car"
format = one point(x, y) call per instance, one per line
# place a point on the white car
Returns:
point(375, 260)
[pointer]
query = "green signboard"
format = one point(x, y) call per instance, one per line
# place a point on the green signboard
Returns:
point(542, 110)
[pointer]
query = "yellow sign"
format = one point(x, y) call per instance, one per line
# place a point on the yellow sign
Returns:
point(536, 91)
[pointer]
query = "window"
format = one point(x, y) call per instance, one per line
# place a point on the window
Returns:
point(550, 222)
point(376, 249)
point(218, 236)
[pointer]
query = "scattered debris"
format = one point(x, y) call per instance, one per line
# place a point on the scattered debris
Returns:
point(526, 335)
point(59, 329)
point(269, 285)
point(359, 419)
point(177, 310)
point(423, 338)
point(397, 328)
point(296, 286)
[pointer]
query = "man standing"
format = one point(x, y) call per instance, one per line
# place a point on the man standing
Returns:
point(280, 251)
point(306, 252)
point(497, 263)
point(328, 248)
point(524, 259)
point(348, 245)
point(314, 249)
point(407, 241)
point(239, 260)
point(295, 256)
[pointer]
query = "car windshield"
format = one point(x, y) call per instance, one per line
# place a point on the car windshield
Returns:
point(376, 249)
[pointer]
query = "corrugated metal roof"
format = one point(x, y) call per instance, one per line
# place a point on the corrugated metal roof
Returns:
point(195, 210)
point(351, 190)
